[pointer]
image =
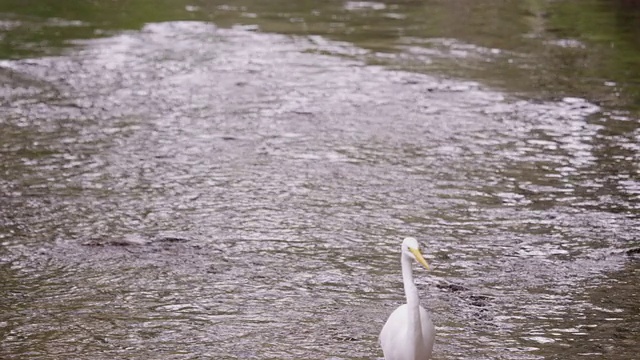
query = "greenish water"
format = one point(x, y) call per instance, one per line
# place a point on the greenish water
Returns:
point(204, 179)
point(545, 49)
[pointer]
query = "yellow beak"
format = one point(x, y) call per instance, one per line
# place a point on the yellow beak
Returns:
point(419, 257)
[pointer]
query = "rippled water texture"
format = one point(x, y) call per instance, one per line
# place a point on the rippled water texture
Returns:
point(187, 191)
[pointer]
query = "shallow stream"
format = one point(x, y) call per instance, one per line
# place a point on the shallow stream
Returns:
point(204, 180)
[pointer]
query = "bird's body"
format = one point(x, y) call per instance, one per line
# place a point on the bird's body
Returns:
point(408, 334)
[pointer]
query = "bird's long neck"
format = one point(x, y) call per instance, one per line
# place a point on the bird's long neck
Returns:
point(413, 302)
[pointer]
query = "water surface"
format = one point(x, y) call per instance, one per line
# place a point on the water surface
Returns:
point(237, 185)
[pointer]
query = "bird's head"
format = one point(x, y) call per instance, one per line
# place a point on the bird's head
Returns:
point(411, 249)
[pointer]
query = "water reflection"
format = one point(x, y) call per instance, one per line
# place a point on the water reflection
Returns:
point(191, 191)
point(546, 49)
point(606, 328)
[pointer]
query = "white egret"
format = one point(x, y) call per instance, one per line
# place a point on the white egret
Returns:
point(408, 334)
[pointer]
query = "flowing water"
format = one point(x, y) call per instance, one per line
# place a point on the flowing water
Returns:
point(190, 180)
